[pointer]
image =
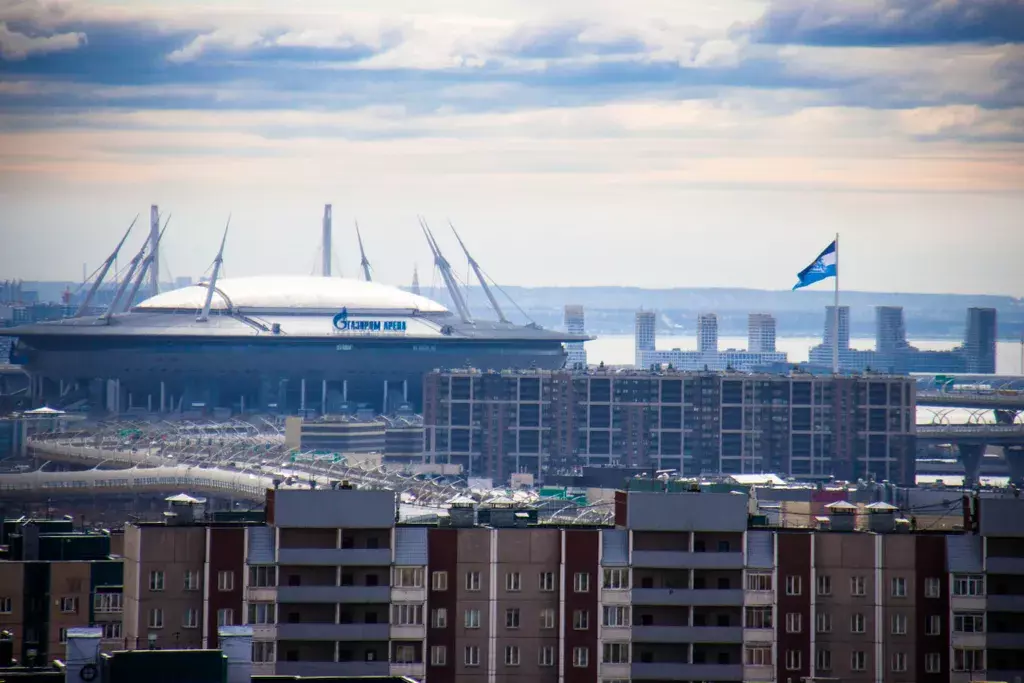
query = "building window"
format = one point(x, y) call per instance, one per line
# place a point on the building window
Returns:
point(225, 617)
point(472, 655)
point(547, 618)
point(102, 603)
point(439, 581)
point(513, 582)
point(156, 618)
point(581, 582)
point(823, 659)
point(968, 622)
point(580, 620)
point(156, 580)
point(261, 612)
point(615, 617)
point(439, 618)
point(857, 623)
point(472, 581)
point(794, 622)
point(62, 635)
point(932, 588)
point(405, 654)
point(262, 576)
point(858, 586)
point(471, 618)
point(899, 624)
point(824, 622)
point(933, 663)
point(899, 587)
point(899, 662)
point(858, 660)
point(69, 605)
point(757, 655)
point(438, 655)
point(408, 577)
point(511, 655)
point(407, 615)
point(512, 617)
point(968, 660)
point(759, 581)
point(616, 579)
point(615, 653)
point(547, 581)
point(758, 617)
point(546, 656)
point(225, 580)
point(934, 626)
point(5, 606)
point(263, 651)
point(111, 630)
point(580, 657)
point(824, 584)
point(969, 585)
point(190, 619)
point(794, 585)
point(191, 580)
point(793, 660)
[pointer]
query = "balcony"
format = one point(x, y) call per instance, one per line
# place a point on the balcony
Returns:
point(669, 559)
point(687, 634)
point(316, 631)
point(348, 557)
point(683, 596)
point(333, 668)
point(1005, 565)
point(415, 670)
point(333, 594)
point(673, 671)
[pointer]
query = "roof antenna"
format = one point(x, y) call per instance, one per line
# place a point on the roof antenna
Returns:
point(480, 276)
point(205, 315)
point(84, 306)
point(364, 262)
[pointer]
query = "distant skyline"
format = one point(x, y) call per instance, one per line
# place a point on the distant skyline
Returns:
point(655, 144)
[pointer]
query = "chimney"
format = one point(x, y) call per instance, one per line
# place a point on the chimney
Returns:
point(881, 517)
point(842, 515)
point(83, 654)
point(236, 644)
point(325, 245)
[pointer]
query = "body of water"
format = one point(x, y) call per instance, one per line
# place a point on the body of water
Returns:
point(618, 349)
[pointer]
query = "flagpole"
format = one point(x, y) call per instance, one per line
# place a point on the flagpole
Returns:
point(835, 317)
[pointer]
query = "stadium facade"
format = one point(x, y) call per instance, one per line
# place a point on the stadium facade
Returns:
point(271, 344)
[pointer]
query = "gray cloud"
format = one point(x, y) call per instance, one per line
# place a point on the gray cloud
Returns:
point(846, 23)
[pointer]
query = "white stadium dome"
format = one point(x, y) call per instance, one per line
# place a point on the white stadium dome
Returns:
point(293, 293)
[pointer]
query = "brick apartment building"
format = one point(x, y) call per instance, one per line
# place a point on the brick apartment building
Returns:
point(697, 423)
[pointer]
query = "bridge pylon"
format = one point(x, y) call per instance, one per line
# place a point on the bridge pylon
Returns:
point(970, 455)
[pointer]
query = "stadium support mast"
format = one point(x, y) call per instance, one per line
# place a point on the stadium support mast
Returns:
point(325, 243)
point(480, 277)
point(363, 261)
point(133, 266)
point(104, 269)
point(205, 314)
point(154, 248)
point(146, 264)
point(446, 274)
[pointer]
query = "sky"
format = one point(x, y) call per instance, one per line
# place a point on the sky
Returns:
point(652, 143)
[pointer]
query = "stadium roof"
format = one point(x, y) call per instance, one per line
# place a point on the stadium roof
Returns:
point(288, 292)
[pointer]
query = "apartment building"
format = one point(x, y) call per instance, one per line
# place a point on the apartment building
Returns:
point(812, 427)
point(54, 578)
point(183, 578)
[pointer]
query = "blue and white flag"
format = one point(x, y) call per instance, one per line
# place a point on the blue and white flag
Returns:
point(824, 266)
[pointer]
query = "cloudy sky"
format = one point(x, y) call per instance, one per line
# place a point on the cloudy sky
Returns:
point(654, 143)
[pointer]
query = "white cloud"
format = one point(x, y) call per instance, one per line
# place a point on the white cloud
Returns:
point(16, 46)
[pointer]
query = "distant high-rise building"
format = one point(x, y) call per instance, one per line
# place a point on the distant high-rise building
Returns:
point(844, 326)
point(415, 281)
point(643, 337)
point(183, 281)
point(707, 333)
point(890, 331)
point(574, 324)
point(980, 340)
point(760, 333)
